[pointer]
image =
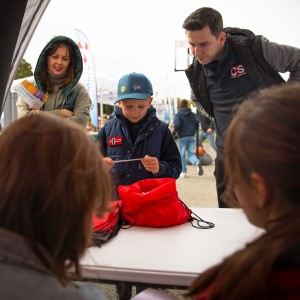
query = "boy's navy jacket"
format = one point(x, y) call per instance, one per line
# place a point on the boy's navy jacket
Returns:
point(154, 139)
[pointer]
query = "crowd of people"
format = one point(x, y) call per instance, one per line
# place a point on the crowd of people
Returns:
point(53, 178)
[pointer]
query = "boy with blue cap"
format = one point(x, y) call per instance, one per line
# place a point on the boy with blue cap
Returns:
point(136, 132)
point(141, 142)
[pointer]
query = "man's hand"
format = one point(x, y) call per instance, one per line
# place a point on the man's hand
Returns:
point(209, 130)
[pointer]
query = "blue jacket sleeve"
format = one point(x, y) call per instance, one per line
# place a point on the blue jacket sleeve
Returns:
point(170, 161)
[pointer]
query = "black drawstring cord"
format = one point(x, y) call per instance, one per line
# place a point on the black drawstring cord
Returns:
point(195, 217)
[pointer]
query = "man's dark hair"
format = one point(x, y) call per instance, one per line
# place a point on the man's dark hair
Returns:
point(202, 17)
point(183, 103)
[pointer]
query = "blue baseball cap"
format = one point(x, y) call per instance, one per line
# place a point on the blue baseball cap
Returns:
point(134, 86)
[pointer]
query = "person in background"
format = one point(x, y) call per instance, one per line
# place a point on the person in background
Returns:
point(137, 136)
point(57, 74)
point(186, 124)
point(229, 64)
point(207, 131)
point(262, 163)
point(52, 181)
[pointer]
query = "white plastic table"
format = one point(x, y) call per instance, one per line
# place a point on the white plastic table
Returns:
point(172, 256)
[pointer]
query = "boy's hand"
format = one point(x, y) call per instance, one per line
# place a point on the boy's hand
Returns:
point(108, 162)
point(151, 164)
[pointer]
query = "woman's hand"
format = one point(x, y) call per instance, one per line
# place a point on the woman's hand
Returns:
point(66, 113)
point(33, 108)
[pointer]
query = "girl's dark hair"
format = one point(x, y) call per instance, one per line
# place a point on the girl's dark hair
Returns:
point(202, 17)
point(52, 180)
point(263, 137)
point(44, 76)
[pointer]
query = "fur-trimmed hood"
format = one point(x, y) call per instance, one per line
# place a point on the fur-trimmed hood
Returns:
point(44, 55)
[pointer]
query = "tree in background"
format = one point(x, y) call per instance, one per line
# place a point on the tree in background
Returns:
point(24, 70)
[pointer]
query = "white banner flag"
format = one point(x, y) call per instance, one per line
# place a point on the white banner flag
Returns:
point(88, 77)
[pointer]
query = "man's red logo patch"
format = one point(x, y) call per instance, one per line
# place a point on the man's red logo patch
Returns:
point(237, 71)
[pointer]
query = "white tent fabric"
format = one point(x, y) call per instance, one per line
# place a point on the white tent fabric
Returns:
point(18, 21)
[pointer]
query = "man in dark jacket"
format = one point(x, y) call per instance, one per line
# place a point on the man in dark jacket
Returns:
point(229, 64)
point(186, 124)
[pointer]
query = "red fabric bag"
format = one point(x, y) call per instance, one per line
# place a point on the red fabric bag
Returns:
point(154, 203)
point(108, 226)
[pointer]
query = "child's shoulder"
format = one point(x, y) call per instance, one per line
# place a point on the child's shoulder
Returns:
point(164, 124)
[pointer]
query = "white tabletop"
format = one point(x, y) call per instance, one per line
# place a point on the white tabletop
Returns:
point(169, 256)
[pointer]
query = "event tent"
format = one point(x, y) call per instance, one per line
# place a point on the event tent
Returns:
point(18, 21)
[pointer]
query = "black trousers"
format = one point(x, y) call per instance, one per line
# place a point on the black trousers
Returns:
point(124, 290)
point(220, 184)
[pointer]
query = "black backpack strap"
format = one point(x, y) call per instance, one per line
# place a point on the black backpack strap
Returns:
point(200, 222)
point(194, 218)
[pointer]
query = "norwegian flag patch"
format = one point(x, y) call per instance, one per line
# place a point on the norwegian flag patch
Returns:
point(115, 141)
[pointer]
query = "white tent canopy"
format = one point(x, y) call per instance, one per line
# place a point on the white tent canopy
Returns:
point(18, 21)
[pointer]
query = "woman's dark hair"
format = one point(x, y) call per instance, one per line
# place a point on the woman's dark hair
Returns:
point(44, 76)
point(52, 180)
point(202, 17)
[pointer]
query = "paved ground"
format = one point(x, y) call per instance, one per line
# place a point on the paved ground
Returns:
point(199, 191)
point(194, 191)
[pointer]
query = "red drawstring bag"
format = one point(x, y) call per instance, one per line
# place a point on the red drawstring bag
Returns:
point(107, 227)
point(154, 203)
